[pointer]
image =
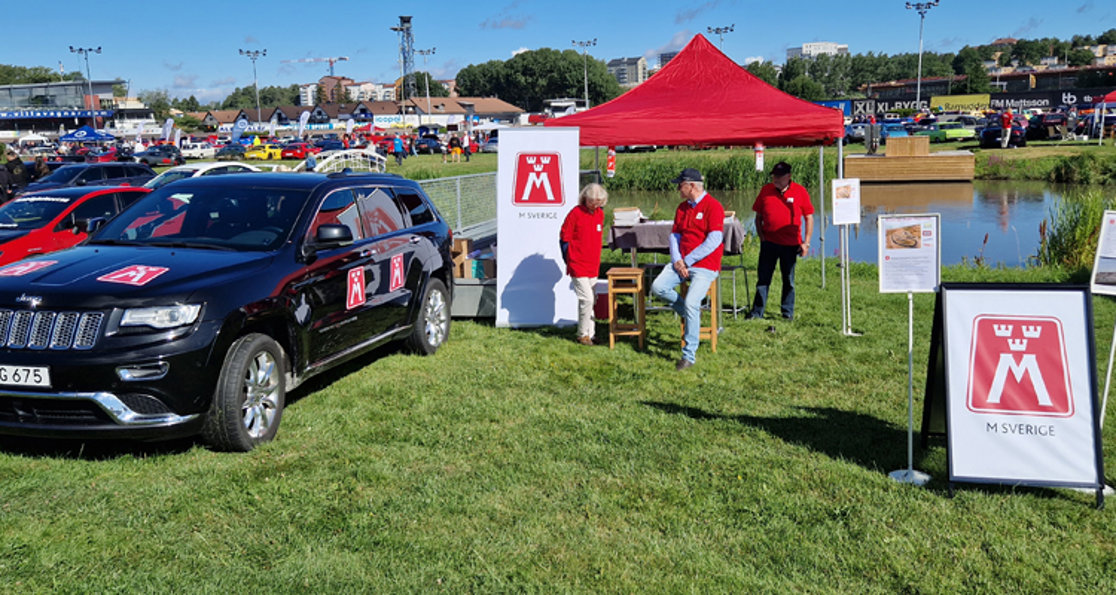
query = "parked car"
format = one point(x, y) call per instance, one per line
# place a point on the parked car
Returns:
point(854, 133)
point(101, 155)
point(201, 150)
point(160, 155)
point(892, 131)
point(428, 145)
point(491, 145)
point(264, 151)
point(199, 307)
point(329, 145)
point(299, 150)
point(947, 131)
point(45, 222)
point(93, 174)
point(193, 170)
point(990, 136)
point(231, 151)
point(1046, 126)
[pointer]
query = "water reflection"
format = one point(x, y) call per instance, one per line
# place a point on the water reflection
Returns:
point(995, 221)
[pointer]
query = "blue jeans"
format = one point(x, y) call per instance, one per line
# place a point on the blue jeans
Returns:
point(690, 307)
point(787, 257)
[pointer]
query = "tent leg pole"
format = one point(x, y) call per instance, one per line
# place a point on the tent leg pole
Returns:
point(821, 205)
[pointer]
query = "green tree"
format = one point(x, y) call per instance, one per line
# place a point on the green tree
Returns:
point(1080, 57)
point(158, 101)
point(422, 79)
point(189, 104)
point(320, 95)
point(802, 86)
point(1107, 37)
point(530, 77)
point(23, 75)
point(188, 124)
point(970, 63)
point(119, 91)
point(1028, 51)
point(765, 71)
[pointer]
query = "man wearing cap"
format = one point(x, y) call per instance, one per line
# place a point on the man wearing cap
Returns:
point(695, 256)
point(781, 208)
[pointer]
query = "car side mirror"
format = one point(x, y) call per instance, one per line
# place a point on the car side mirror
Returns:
point(333, 234)
point(81, 182)
point(88, 225)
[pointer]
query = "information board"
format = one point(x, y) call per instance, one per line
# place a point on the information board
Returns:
point(846, 201)
point(910, 253)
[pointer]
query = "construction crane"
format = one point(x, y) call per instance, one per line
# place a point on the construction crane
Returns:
point(330, 60)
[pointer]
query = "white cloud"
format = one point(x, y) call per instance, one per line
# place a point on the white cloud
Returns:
point(184, 81)
point(751, 59)
point(677, 42)
point(520, 51)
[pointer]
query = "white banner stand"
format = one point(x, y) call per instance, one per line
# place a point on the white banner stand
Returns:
point(846, 212)
point(910, 260)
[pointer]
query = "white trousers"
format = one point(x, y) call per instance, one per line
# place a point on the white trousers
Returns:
point(584, 288)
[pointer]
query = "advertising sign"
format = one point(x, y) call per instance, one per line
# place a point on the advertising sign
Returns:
point(1104, 264)
point(536, 186)
point(910, 253)
point(1020, 386)
point(846, 201)
point(960, 103)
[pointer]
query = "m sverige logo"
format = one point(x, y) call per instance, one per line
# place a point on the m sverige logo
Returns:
point(1018, 366)
point(538, 180)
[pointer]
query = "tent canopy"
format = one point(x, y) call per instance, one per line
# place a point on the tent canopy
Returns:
point(701, 97)
point(87, 134)
point(1110, 98)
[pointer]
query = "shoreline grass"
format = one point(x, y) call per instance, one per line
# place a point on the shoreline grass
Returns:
point(518, 460)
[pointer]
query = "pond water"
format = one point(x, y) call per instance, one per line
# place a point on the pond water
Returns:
point(1008, 213)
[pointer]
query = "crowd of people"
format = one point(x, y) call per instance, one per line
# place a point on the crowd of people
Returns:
point(784, 221)
point(15, 175)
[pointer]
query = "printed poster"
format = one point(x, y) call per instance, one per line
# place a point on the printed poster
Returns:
point(1020, 386)
point(846, 201)
point(910, 253)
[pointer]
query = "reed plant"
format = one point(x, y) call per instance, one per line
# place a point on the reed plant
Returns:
point(1068, 239)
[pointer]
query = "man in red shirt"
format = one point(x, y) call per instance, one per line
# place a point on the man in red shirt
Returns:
point(695, 256)
point(1005, 128)
point(580, 240)
point(781, 208)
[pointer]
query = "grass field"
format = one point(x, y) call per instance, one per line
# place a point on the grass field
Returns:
point(518, 460)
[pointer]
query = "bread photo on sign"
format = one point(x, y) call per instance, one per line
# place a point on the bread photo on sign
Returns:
point(904, 237)
point(842, 192)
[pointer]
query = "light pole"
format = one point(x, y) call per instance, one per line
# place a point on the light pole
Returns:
point(424, 54)
point(585, 45)
point(89, 79)
point(720, 33)
point(922, 8)
point(254, 55)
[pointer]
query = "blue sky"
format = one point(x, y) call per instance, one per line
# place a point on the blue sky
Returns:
point(192, 49)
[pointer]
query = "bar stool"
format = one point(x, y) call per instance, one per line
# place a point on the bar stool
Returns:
point(626, 281)
point(714, 297)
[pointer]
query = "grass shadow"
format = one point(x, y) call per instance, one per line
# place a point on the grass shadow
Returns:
point(93, 450)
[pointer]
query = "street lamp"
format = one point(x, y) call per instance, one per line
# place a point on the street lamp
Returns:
point(720, 32)
point(922, 8)
point(254, 55)
point(89, 79)
point(424, 54)
point(585, 45)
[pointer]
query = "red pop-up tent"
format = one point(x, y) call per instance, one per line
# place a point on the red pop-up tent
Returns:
point(701, 97)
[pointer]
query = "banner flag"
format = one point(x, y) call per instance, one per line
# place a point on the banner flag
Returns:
point(139, 133)
point(167, 125)
point(238, 129)
point(303, 118)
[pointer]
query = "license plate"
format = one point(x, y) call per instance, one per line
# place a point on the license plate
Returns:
point(25, 376)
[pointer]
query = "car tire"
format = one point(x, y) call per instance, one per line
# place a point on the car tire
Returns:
point(432, 324)
point(251, 392)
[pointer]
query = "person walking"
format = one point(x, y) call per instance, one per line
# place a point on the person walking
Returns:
point(695, 255)
point(466, 146)
point(580, 240)
point(782, 207)
point(455, 148)
point(398, 149)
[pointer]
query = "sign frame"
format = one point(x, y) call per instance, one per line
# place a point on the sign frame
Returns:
point(1013, 447)
point(1105, 256)
point(918, 272)
point(846, 209)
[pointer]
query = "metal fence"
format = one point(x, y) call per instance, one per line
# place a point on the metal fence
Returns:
point(465, 201)
point(468, 201)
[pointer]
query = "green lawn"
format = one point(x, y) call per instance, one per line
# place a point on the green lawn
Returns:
point(518, 460)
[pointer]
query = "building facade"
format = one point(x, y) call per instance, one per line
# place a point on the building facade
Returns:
point(817, 48)
point(51, 106)
point(629, 72)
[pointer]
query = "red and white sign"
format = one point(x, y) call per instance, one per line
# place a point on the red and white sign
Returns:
point(610, 163)
point(397, 275)
point(20, 269)
point(1020, 385)
point(354, 294)
point(136, 274)
point(1018, 366)
point(538, 180)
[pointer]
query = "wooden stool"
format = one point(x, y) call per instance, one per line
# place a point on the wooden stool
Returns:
point(626, 281)
point(714, 297)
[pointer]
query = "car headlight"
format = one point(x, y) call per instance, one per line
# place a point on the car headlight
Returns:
point(161, 317)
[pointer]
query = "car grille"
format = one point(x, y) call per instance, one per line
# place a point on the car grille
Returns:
point(23, 329)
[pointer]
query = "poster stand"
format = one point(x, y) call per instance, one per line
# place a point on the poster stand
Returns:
point(910, 475)
point(846, 212)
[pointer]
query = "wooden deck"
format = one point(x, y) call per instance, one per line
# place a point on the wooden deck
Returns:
point(943, 166)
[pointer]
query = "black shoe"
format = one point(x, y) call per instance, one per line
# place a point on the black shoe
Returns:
point(683, 364)
point(785, 317)
point(752, 316)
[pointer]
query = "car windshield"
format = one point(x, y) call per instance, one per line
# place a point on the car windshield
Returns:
point(64, 174)
point(32, 211)
point(215, 217)
point(169, 176)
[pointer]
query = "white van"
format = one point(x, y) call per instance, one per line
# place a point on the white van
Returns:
point(198, 151)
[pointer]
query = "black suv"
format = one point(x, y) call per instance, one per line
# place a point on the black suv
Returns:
point(93, 174)
point(160, 155)
point(201, 305)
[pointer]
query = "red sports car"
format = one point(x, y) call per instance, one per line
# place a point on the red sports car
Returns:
point(47, 221)
point(299, 150)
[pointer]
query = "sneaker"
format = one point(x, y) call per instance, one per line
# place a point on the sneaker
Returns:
point(585, 340)
point(683, 364)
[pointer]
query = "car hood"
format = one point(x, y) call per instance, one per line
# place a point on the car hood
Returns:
point(112, 276)
point(37, 186)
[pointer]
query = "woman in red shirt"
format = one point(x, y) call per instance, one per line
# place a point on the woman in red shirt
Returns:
point(580, 240)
